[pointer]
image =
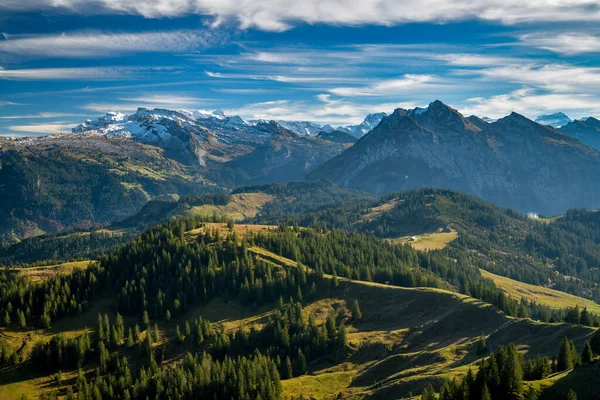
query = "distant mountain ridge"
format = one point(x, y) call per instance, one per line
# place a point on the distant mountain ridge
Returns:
point(585, 130)
point(107, 169)
point(555, 120)
point(513, 162)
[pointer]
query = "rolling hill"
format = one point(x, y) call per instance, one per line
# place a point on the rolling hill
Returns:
point(405, 339)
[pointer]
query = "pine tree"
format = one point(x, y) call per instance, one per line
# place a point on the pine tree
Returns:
point(585, 318)
point(566, 358)
point(300, 363)
point(482, 346)
point(355, 310)
point(45, 320)
point(531, 394)
point(428, 393)
point(146, 320)
point(120, 327)
point(587, 355)
point(136, 333)
point(100, 328)
point(23, 321)
point(334, 280)
point(130, 342)
point(485, 393)
point(178, 334)
point(514, 373)
point(7, 319)
point(103, 358)
point(572, 395)
point(156, 333)
point(341, 336)
point(288, 372)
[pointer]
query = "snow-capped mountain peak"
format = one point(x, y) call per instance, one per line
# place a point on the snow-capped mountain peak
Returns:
point(149, 125)
point(110, 118)
point(555, 120)
point(203, 114)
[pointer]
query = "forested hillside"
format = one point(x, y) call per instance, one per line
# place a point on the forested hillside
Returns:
point(160, 334)
point(540, 251)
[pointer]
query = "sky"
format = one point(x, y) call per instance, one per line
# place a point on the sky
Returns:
point(64, 61)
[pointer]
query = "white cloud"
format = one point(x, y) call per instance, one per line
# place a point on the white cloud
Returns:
point(408, 82)
point(474, 60)
point(569, 43)
point(281, 14)
point(326, 110)
point(152, 100)
point(553, 77)
point(42, 115)
point(531, 103)
point(43, 129)
point(303, 75)
point(8, 103)
point(85, 73)
point(102, 44)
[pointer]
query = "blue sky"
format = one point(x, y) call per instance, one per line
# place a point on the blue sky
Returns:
point(62, 61)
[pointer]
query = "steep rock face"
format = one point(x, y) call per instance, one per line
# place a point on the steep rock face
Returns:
point(513, 162)
point(585, 130)
point(368, 124)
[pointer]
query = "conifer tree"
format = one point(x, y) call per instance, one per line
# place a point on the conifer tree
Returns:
point(341, 336)
point(136, 333)
point(585, 318)
point(130, 342)
point(288, 372)
point(586, 354)
point(428, 393)
point(300, 363)
point(485, 393)
point(355, 310)
point(566, 358)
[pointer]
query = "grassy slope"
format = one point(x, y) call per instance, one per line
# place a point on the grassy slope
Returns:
point(39, 274)
point(428, 241)
point(541, 295)
point(406, 339)
point(242, 206)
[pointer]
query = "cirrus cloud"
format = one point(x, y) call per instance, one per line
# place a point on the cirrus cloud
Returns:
point(282, 14)
point(102, 44)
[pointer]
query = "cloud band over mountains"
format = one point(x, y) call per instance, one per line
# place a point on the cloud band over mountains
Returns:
point(282, 14)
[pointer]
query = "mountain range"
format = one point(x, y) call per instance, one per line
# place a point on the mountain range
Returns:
point(513, 162)
point(108, 168)
point(585, 130)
